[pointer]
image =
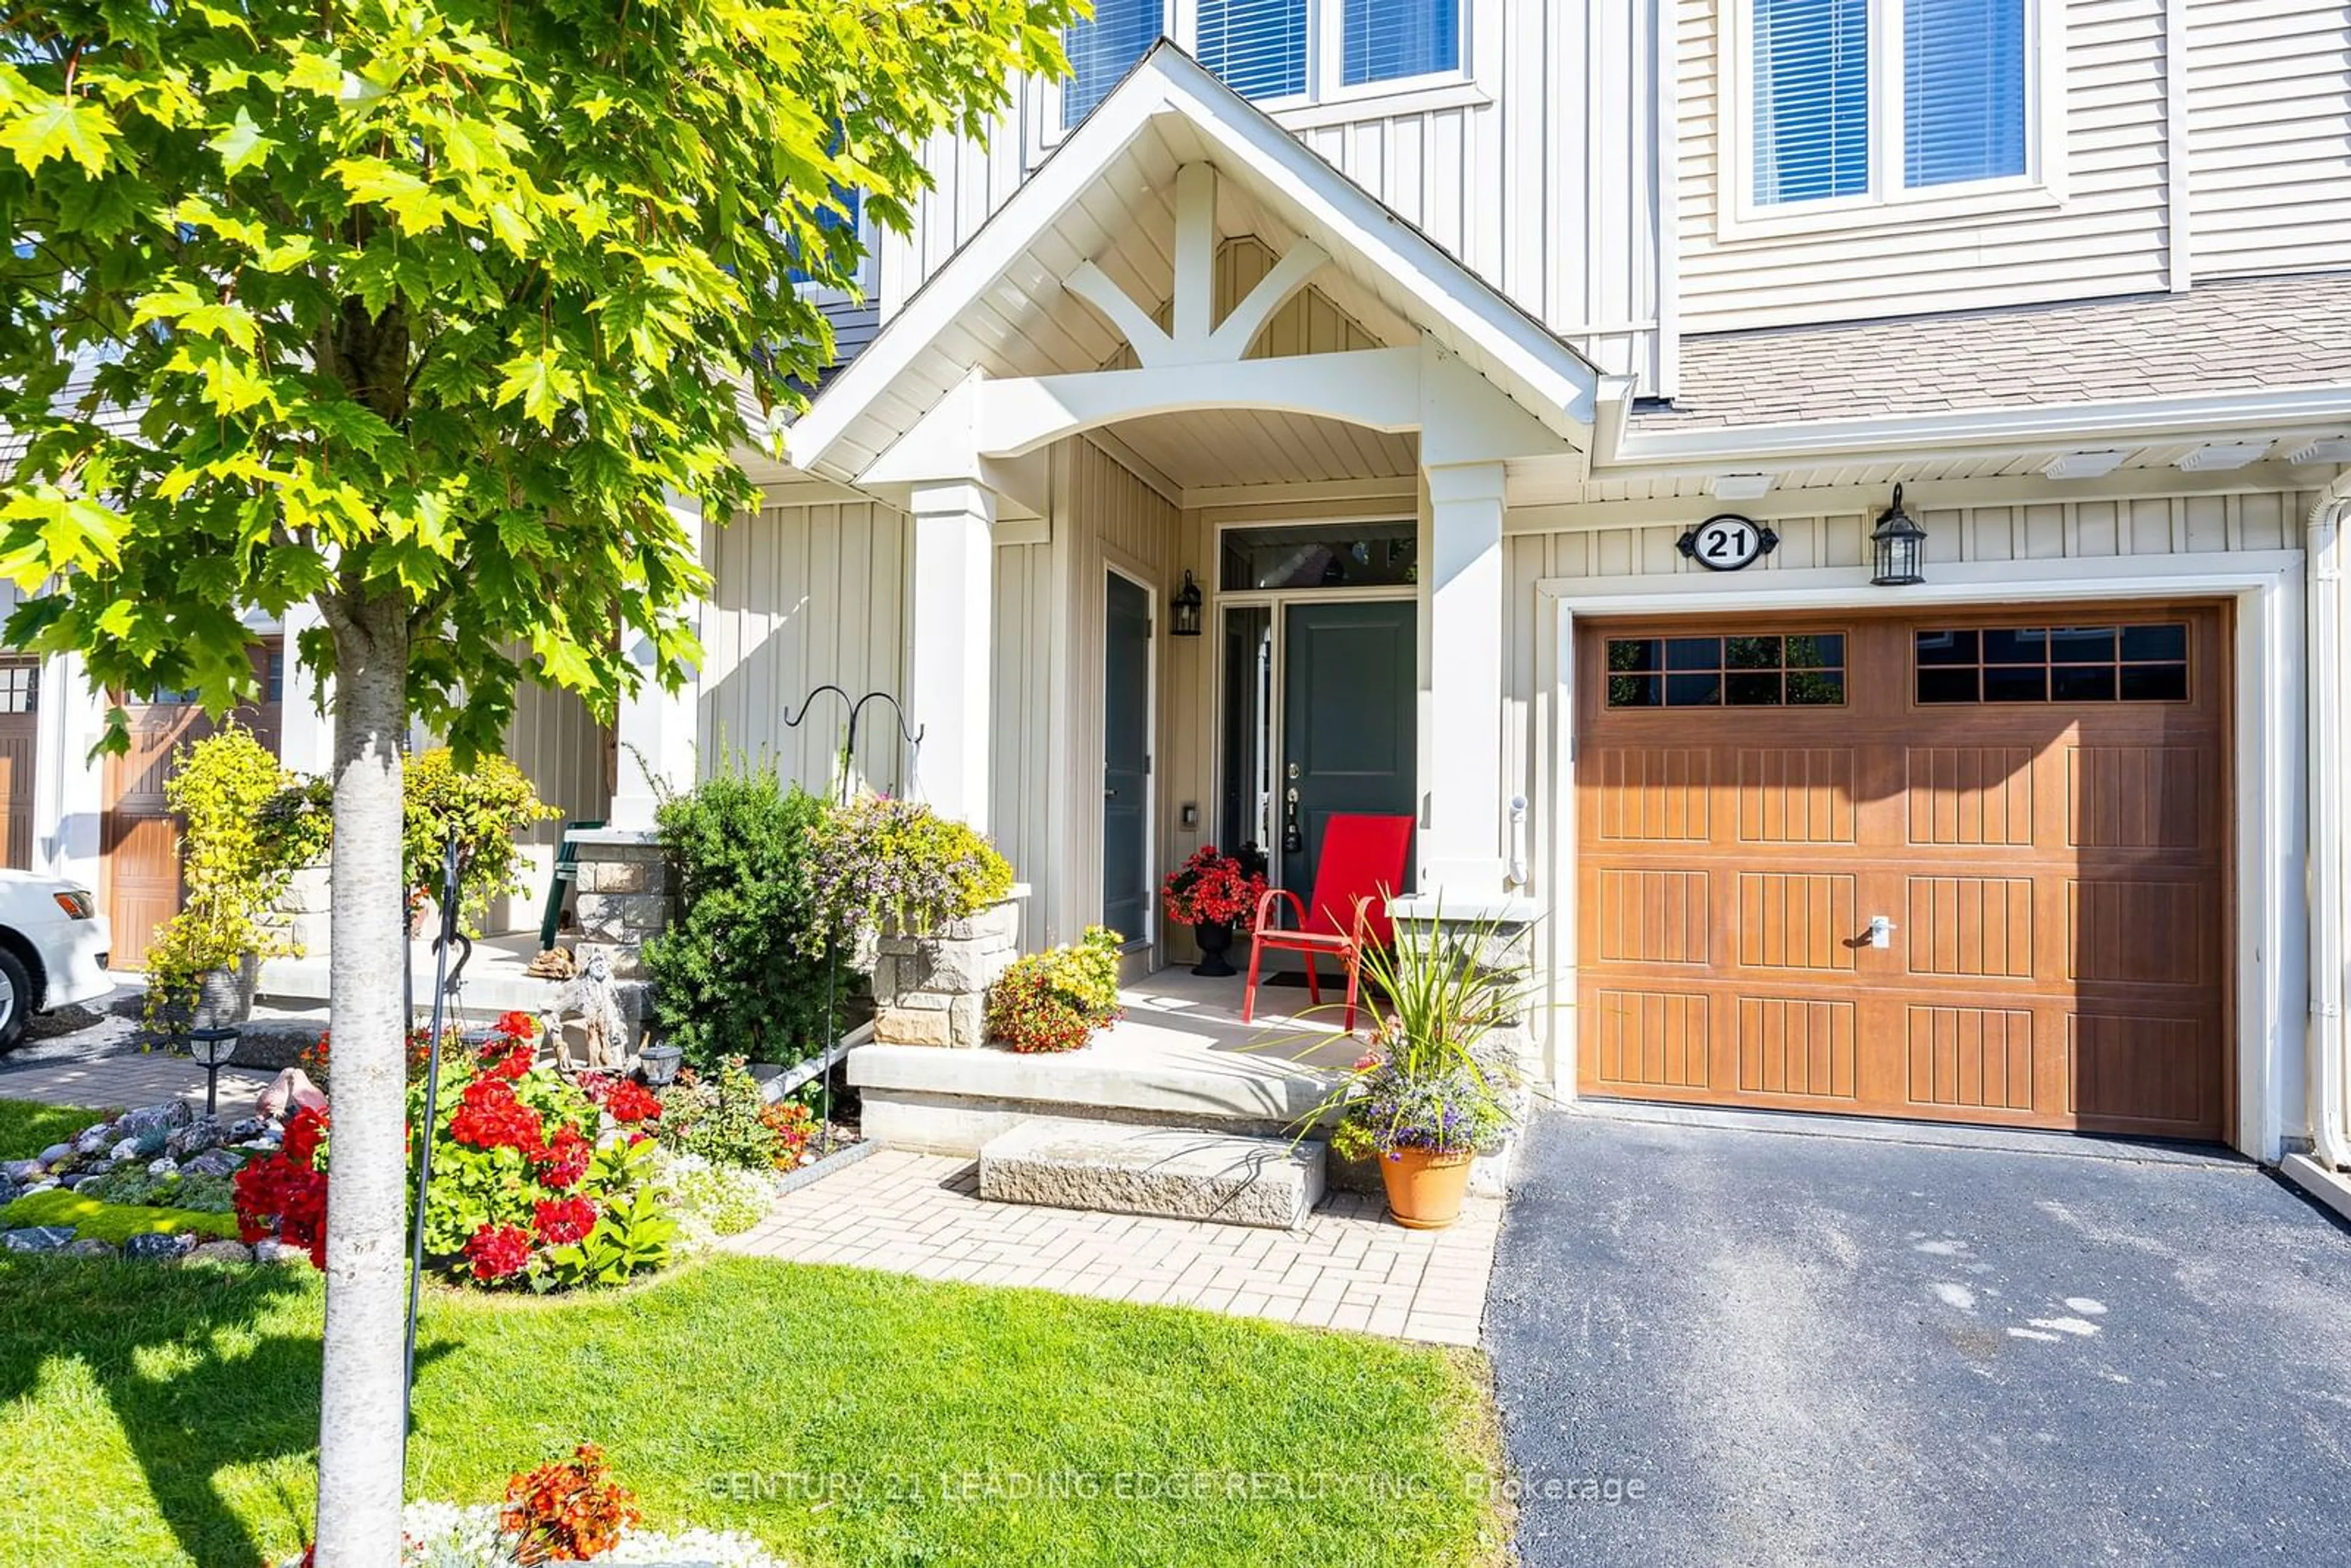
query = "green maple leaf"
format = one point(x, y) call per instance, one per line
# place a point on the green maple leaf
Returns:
point(61, 128)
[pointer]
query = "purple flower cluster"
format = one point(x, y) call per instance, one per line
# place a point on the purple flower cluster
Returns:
point(1459, 1109)
point(881, 861)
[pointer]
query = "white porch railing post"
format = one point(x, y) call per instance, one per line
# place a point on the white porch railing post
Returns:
point(656, 728)
point(1461, 844)
point(948, 686)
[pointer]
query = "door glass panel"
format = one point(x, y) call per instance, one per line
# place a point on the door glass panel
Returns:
point(1247, 789)
point(1753, 670)
point(1359, 555)
point(2052, 663)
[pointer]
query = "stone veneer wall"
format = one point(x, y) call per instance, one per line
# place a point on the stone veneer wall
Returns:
point(931, 988)
point(624, 896)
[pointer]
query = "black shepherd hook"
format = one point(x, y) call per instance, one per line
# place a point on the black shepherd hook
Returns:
point(856, 711)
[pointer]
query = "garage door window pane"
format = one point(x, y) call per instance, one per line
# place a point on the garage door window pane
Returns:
point(1758, 670)
point(2052, 663)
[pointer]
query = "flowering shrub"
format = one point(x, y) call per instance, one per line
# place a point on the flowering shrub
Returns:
point(285, 1192)
point(316, 1064)
point(568, 1510)
point(1054, 1000)
point(1212, 888)
point(720, 1116)
point(528, 1187)
point(792, 1125)
point(443, 1535)
point(723, 1200)
point(880, 862)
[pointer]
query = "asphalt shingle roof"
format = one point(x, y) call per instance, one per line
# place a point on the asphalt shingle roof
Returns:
point(2239, 334)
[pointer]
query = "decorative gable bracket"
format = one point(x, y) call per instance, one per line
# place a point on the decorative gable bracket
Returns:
point(1193, 341)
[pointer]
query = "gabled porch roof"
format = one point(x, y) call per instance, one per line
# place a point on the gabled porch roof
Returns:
point(1035, 296)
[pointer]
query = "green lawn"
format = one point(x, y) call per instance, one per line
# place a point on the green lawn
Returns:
point(164, 1416)
point(27, 1126)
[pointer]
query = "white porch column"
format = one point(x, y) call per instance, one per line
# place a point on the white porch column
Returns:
point(953, 644)
point(306, 737)
point(655, 728)
point(69, 781)
point(1461, 847)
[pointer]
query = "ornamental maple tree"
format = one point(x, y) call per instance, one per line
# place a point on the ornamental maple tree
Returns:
point(423, 313)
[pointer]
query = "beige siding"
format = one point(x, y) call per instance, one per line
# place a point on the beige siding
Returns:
point(2106, 235)
point(805, 594)
point(2269, 126)
point(1532, 173)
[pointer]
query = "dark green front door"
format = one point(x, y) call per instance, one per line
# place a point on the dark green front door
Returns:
point(1126, 757)
point(1347, 718)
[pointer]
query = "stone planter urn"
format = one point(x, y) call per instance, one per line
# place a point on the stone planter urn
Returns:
point(224, 998)
point(1214, 939)
point(930, 988)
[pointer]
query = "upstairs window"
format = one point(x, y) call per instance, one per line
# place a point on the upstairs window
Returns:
point(1270, 50)
point(1865, 101)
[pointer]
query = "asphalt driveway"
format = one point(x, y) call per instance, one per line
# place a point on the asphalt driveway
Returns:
point(1777, 1349)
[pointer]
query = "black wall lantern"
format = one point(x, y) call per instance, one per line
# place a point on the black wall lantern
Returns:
point(1899, 547)
point(1184, 610)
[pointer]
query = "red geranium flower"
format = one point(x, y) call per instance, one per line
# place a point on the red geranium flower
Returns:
point(564, 1160)
point(508, 1059)
point(563, 1220)
point(490, 1117)
point(629, 1101)
point(497, 1251)
point(516, 1025)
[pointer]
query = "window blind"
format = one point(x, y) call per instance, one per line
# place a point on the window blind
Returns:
point(1811, 99)
point(1257, 46)
point(1102, 47)
point(1386, 39)
point(1963, 91)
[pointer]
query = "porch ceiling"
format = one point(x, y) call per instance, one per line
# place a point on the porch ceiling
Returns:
point(1212, 447)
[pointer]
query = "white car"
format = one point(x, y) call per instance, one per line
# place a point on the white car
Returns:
point(54, 946)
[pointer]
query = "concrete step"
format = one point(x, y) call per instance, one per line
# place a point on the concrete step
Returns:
point(1175, 1173)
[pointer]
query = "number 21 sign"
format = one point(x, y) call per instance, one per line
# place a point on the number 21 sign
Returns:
point(1728, 542)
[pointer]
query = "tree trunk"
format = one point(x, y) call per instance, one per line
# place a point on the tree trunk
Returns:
point(360, 1436)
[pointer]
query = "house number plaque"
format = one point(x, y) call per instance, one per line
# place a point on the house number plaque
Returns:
point(1728, 542)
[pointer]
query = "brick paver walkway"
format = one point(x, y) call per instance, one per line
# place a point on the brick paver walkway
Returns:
point(1348, 1269)
point(127, 1081)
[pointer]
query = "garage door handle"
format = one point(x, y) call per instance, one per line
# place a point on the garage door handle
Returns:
point(1881, 930)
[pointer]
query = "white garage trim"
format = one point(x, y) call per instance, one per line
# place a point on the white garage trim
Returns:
point(2272, 917)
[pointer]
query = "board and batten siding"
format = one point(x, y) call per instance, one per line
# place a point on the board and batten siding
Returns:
point(2102, 231)
point(2269, 135)
point(804, 594)
point(1530, 171)
point(567, 758)
point(1532, 552)
point(1020, 768)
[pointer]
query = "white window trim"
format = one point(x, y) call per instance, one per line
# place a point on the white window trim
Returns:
point(1326, 100)
point(869, 268)
point(1888, 202)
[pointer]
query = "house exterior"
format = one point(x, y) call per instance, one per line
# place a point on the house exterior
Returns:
point(1426, 340)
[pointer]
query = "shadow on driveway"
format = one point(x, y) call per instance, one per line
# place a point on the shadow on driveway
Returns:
point(1788, 1349)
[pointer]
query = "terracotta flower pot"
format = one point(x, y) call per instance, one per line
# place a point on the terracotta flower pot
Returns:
point(1425, 1189)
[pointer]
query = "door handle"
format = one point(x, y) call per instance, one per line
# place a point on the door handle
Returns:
point(1881, 930)
point(1293, 838)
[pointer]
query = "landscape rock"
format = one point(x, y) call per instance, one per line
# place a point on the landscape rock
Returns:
point(269, 1249)
point(193, 1139)
point(159, 1246)
point(94, 1140)
point(215, 1163)
point(37, 1238)
point(10, 1192)
point(32, 1187)
point(89, 1247)
point(24, 1170)
point(56, 1153)
point(289, 1091)
point(220, 1252)
point(246, 1127)
point(162, 1166)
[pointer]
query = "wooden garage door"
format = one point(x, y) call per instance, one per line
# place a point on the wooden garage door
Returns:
point(2037, 807)
point(138, 838)
point(20, 701)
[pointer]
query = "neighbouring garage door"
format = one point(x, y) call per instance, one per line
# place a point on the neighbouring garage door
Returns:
point(2037, 810)
point(20, 701)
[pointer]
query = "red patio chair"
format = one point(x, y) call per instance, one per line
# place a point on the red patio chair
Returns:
point(1362, 867)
